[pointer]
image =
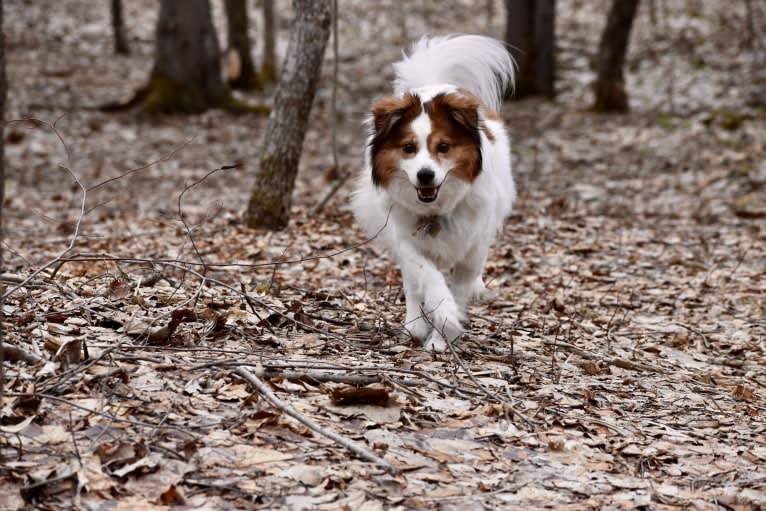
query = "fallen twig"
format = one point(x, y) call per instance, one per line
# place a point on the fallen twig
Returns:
point(354, 447)
point(613, 361)
point(335, 187)
point(108, 416)
point(483, 390)
point(78, 223)
point(315, 376)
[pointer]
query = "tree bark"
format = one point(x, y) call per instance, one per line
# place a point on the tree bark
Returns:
point(186, 77)
point(545, 48)
point(3, 89)
point(269, 71)
point(609, 89)
point(118, 26)
point(238, 42)
point(271, 198)
point(531, 34)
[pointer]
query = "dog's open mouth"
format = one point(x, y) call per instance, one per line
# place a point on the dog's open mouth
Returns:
point(427, 193)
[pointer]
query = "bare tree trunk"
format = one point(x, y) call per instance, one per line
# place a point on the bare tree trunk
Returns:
point(519, 29)
point(545, 48)
point(238, 42)
point(186, 77)
point(269, 71)
point(531, 34)
point(609, 89)
point(118, 26)
point(271, 198)
point(3, 88)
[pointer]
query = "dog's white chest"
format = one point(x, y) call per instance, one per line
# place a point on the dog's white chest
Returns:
point(444, 240)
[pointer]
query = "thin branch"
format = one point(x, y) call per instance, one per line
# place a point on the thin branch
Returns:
point(182, 217)
point(613, 361)
point(72, 240)
point(334, 97)
point(83, 189)
point(96, 412)
point(335, 187)
point(354, 447)
point(91, 257)
point(506, 406)
point(132, 171)
point(333, 114)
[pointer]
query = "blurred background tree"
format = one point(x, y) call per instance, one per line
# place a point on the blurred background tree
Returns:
point(269, 72)
point(121, 46)
point(609, 88)
point(531, 35)
point(186, 77)
point(240, 65)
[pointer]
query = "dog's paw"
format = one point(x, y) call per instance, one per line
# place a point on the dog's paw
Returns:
point(417, 326)
point(479, 293)
point(446, 318)
point(435, 343)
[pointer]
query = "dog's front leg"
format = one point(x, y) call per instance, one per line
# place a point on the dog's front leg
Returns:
point(416, 321)
point(466, 283)
point(430, 304)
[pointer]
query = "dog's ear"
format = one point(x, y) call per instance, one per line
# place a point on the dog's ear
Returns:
point(458, 115)
point(464, 110)
point(387, 112)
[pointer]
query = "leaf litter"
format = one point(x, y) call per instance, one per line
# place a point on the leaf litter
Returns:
point(620, 365)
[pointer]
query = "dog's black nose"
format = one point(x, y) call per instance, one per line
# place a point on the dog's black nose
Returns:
point(425, 176)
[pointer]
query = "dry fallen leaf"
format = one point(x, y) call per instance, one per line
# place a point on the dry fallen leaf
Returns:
point(375, 394)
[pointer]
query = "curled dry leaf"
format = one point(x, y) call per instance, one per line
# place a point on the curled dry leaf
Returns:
point(369, 395)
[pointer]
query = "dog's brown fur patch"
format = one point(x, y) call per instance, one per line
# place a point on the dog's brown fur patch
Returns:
point(455, 122)
point(391, 120)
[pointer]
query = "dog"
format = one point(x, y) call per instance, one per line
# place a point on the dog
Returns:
point(437, 182)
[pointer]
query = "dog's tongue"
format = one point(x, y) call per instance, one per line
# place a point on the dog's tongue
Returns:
point(427, 194)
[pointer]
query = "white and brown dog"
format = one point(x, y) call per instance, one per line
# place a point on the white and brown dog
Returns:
point(437, 183)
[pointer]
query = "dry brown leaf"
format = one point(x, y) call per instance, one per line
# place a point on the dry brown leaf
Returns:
point(344, 395)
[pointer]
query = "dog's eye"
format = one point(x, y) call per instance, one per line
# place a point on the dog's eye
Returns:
point(443, 147)
point(409, 148)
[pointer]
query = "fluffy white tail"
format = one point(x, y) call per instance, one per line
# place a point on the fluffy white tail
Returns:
point(477, 63)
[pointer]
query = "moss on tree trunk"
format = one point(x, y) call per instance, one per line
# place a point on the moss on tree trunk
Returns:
point(270, 204)
point(268, 73)
point(186, 77)
point(164, 95)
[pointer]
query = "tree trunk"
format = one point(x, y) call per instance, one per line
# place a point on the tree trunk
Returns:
point(118, 26)
point(531, 34)
point(609, 89)
point(518, 34)
point(269, 65)
point(186, 77)
point(545, 48)
point(271, 198)
point(238, 42)
point(3, 87)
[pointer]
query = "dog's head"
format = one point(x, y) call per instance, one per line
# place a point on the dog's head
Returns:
point(425, 148)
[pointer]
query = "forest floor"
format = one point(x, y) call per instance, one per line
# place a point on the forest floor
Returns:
point(622, 364)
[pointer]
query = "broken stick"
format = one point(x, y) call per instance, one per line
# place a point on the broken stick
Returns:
point(354, 447)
